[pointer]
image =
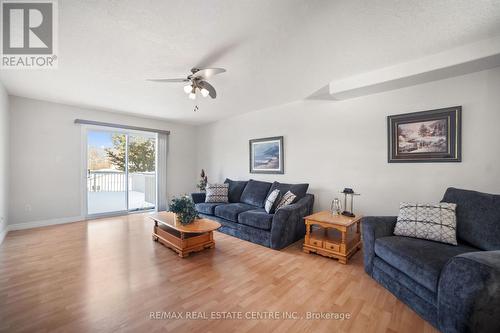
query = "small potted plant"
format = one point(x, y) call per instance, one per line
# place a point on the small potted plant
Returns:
point(184, 208)
point(202, 185)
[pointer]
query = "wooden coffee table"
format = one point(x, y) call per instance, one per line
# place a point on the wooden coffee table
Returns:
point(183, 239)
point(334, 236)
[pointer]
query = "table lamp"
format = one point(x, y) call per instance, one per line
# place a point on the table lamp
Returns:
point(348, 192)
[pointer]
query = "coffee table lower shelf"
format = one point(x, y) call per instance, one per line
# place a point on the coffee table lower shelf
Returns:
point(183, 243)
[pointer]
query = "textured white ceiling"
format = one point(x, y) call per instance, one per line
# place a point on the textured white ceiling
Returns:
point(275, 52)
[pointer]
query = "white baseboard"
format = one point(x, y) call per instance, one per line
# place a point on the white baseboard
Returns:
point(44, 223)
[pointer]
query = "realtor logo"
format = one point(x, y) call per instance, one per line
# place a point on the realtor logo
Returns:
point(28, 31)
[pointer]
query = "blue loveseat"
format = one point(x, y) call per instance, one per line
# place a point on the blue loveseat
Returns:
point(244, 216)
point(455, 288)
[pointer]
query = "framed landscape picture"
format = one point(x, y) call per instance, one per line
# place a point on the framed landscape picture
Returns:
point(427, 136)
point(266, 155)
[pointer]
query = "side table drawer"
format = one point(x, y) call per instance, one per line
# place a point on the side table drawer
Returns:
point(316, 242)
point(332, 246)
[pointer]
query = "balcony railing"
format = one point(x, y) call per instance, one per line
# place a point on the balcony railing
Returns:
point(106, 181)
point(115, 181)
point(107, 190)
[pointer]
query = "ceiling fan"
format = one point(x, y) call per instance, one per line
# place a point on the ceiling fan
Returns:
point(197, 80)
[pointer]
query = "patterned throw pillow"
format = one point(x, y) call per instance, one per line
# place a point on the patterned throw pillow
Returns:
point(287, 199)
point(432, 222)
point(217, 193)
point(270, 201)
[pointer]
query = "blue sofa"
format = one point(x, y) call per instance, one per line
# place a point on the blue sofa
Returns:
point(244, 216)
point(455, 288)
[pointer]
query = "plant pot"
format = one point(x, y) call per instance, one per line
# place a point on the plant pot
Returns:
point(184, 209)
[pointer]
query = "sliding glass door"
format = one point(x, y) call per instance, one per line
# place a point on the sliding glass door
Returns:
point(106, 174)
point(141, 171)
point(121, 172)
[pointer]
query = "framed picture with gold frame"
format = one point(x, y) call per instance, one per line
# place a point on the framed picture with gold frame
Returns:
point(426, 136)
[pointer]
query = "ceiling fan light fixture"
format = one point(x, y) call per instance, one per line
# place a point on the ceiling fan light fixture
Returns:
point(196, 80)
point(204, 92)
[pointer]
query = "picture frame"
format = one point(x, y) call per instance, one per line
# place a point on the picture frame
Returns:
point(425, 136)
point(266, 155)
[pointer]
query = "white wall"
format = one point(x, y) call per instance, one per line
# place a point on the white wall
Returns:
point(337, 144)
point(46, 159)
point(4, 160)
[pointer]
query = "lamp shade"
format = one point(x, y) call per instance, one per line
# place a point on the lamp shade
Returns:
point(204, 92)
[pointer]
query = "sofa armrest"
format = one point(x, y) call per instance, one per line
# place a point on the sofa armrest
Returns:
point(288, 225)
point(469, 293)
point(198, 197)
point(373, 227)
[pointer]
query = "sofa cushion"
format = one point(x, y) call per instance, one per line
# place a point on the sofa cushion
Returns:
point(255, 193)
point(206, 207)
point(236, 187)
point(230, 211)
point(300, 190)
point(421, 260)
point(257, 218)
point(400, 278)
point(478, 217)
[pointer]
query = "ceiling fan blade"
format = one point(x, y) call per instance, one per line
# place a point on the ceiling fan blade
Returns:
point(211, 90)
point(208, 72)
point(168, 80)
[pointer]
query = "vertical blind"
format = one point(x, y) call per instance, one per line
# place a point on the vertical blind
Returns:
point(162, 201)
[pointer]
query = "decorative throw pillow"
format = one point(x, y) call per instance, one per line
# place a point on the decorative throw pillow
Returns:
point(270, 201)
point(217, 193)
point(433, 222)
point(286, 199)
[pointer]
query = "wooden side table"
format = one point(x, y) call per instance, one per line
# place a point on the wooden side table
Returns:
point(334, 236)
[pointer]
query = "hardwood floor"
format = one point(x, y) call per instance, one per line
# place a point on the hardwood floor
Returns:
point(108, 275)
